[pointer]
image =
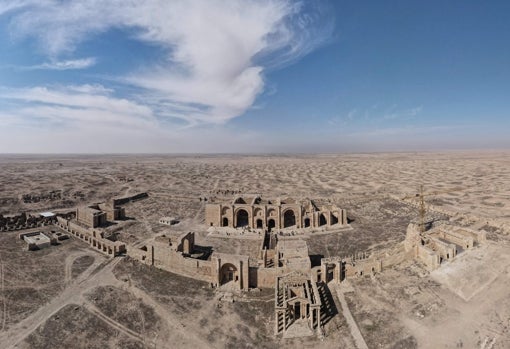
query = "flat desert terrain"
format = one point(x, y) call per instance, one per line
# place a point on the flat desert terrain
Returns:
point(70, 296)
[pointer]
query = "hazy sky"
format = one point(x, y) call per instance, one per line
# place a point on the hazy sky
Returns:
point(253, 76)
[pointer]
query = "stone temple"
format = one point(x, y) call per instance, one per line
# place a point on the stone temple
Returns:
point(268, 214)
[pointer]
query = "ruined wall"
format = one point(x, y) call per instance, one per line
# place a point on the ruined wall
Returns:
point(113, 212)
point(93, 237)
point(272, 214)
point(24, 221)
point(266, 277)
point(477, 236)
point(212, 215)
point(241, 264)
point(428, 257)
point(163, 257)
point(459, 239)
point(122, 201)
point(362, 267)
point(446, 250)
point(90, 217)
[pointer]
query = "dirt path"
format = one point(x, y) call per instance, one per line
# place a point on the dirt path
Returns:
point(69, 264)
point(99, 274)
point(353, 326)
point(87, 280)
point(174, 326)
point(115, 324)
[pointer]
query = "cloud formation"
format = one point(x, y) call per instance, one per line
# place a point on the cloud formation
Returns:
point(82, 63)
point(84, 107)
point(216, 50)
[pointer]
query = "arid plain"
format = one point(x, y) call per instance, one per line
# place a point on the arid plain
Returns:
point(70, 296)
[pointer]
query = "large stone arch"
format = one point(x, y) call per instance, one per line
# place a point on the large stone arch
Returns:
point(334, 219)
point(258, 218)
point(289, 218)
point(242, 218)
point(323, 220)
point(228, 273)
point(271, 224)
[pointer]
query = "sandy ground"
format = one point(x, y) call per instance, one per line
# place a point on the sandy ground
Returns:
point(464, 304)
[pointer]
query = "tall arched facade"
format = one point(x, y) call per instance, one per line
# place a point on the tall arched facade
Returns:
point(256, 213)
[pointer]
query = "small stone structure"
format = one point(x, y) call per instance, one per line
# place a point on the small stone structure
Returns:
point(36, 240)
point(94, 237)
point(169, 220)
point(91, 216)
point(441, 243)
point(337, 269)
point(297, 305)
point(257, 213)
point(97, 215)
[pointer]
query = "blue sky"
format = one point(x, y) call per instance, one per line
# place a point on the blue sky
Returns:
point(105, 76)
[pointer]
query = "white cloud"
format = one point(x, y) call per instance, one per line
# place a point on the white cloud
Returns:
point(402, 114)
point(12, 5)
point(83, 63)
point(217, 50)
point(77, 106)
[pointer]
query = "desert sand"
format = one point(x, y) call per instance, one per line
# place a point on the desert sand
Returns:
point(71, 296)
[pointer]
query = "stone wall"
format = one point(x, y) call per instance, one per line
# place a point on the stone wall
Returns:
point(93, 237)
point(277, 214)
point(162, 256)
point(24, 221)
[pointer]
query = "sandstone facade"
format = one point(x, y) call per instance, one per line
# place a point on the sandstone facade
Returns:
point(257, 213)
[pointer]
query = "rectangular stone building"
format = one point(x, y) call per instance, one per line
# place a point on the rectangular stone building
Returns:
point(257, 213)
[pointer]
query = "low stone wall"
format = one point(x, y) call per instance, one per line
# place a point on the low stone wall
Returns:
point(22, 221)
point(122, 201)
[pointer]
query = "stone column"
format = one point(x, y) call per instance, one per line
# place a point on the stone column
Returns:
point(218, 272)
point(277, 318)
point(241, 275)
point(324, 272)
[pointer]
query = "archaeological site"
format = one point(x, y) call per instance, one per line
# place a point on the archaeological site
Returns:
point(256, 252)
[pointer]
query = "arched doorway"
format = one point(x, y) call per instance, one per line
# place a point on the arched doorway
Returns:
point(330, 272)
point(242, 218)
point(334, 219)
point(297, 310)
point(270, 224)
point(225, 222)
point(259, 223)
point(307, 222)
point(322, 219)
point(289, 219)
point(228, 273)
